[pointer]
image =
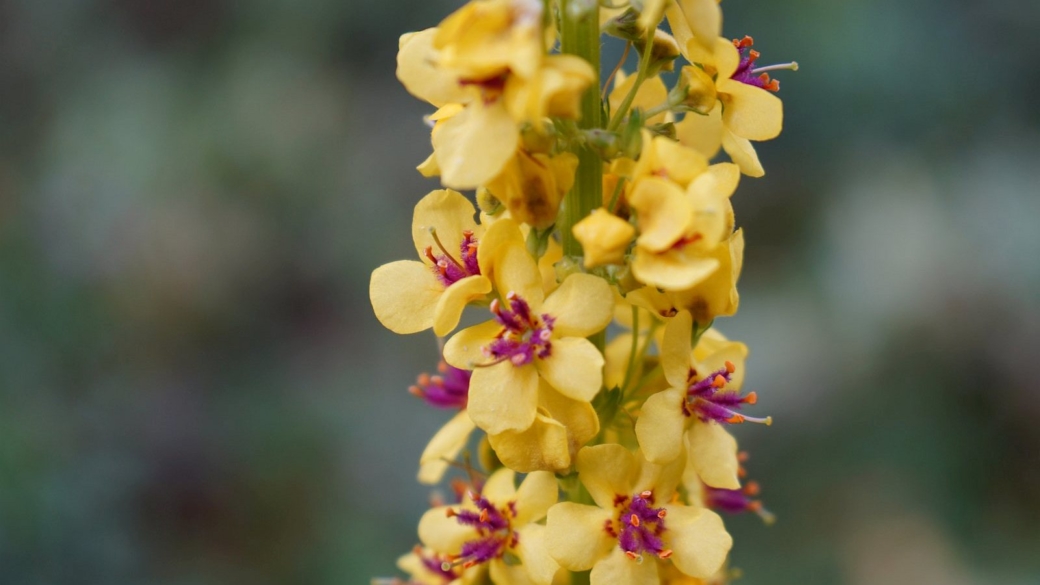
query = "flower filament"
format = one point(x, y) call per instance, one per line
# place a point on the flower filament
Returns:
point(711, 401)
point(757, 76)
point(524, 335)
point(638, 526)
point(495, 534)
point(449, 270)
point(448, 389)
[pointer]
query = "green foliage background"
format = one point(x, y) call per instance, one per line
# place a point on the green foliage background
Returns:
point(193, 389)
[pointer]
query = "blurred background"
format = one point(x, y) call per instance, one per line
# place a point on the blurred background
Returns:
point(194, 390)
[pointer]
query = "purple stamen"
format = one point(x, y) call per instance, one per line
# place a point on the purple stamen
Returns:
point(450, 389)
point(449, 270)
point(746, 72)
point(524, 336)
point(737, 501)
point(493, 526)
point(709, 398)
point(639, 526)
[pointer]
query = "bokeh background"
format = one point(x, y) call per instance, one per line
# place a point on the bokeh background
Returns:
point(193, 389)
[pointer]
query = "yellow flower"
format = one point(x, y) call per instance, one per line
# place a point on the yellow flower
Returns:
point(705, 394)
point(678, 232)
point(604, 238)
point(561, 427)
point(531, 339)
point(410, 296)
point(474, 145)
point(715, 296)
point(634, 517)
point(426, 567)
point(486, 39)
point(665, 158)
point(554, 90)
point(748, 110)
point(531, 186)
point(498, 527)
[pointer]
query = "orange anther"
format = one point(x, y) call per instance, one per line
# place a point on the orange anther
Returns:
point(755, 506)
point(631, 555)
point(417, 549)
point(442, 367)
point(423, 379)
point(736, 419)
point(450, 513)
point(719, 381)
point(753, 54)
point(730, 367)
point(751, 398)
point(741, 472)
point(665, 553)
point(662, 513)
point(634, 520)
point(743, 456)
point(484, 515)
point(416, 391)
point(469, 564)
point(646, 495)
point(752, 488)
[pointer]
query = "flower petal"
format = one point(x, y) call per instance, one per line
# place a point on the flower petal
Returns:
point(472, 146)
point(448, 312)
point(404, 295)
point(676, 349)
point(577, 415)
point(465, 349)
point(582, 306)
point(500, 487)
point(660, 426)
point(664, 213)
point(713, 453)
point(534, 553)
point(618, 568)
point(607, 471)
point(446, 212)
point(742, 152)
point(420, 76)
point(516, 271)
point(752, 112)
point(575, 368)
point(501, 232)
point(536, 494)
point(701, 133)
point(443, 447)
point(503, 397)
point(575, 535)
point(698, 540)
point(720, 178)
point(442, 532)
point(543, 446)
point(704, 18)
point(672, 270)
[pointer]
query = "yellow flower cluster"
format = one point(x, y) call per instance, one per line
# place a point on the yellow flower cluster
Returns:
point(601, 250)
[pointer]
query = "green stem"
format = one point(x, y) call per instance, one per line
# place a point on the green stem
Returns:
point(658, 109)
point(631, 369)
point(580, 36)
point(644, 68)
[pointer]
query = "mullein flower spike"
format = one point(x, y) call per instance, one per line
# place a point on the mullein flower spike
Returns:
point(600, 201)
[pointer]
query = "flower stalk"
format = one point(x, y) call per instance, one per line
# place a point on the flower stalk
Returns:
point(620, 433)
point(579, 36)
